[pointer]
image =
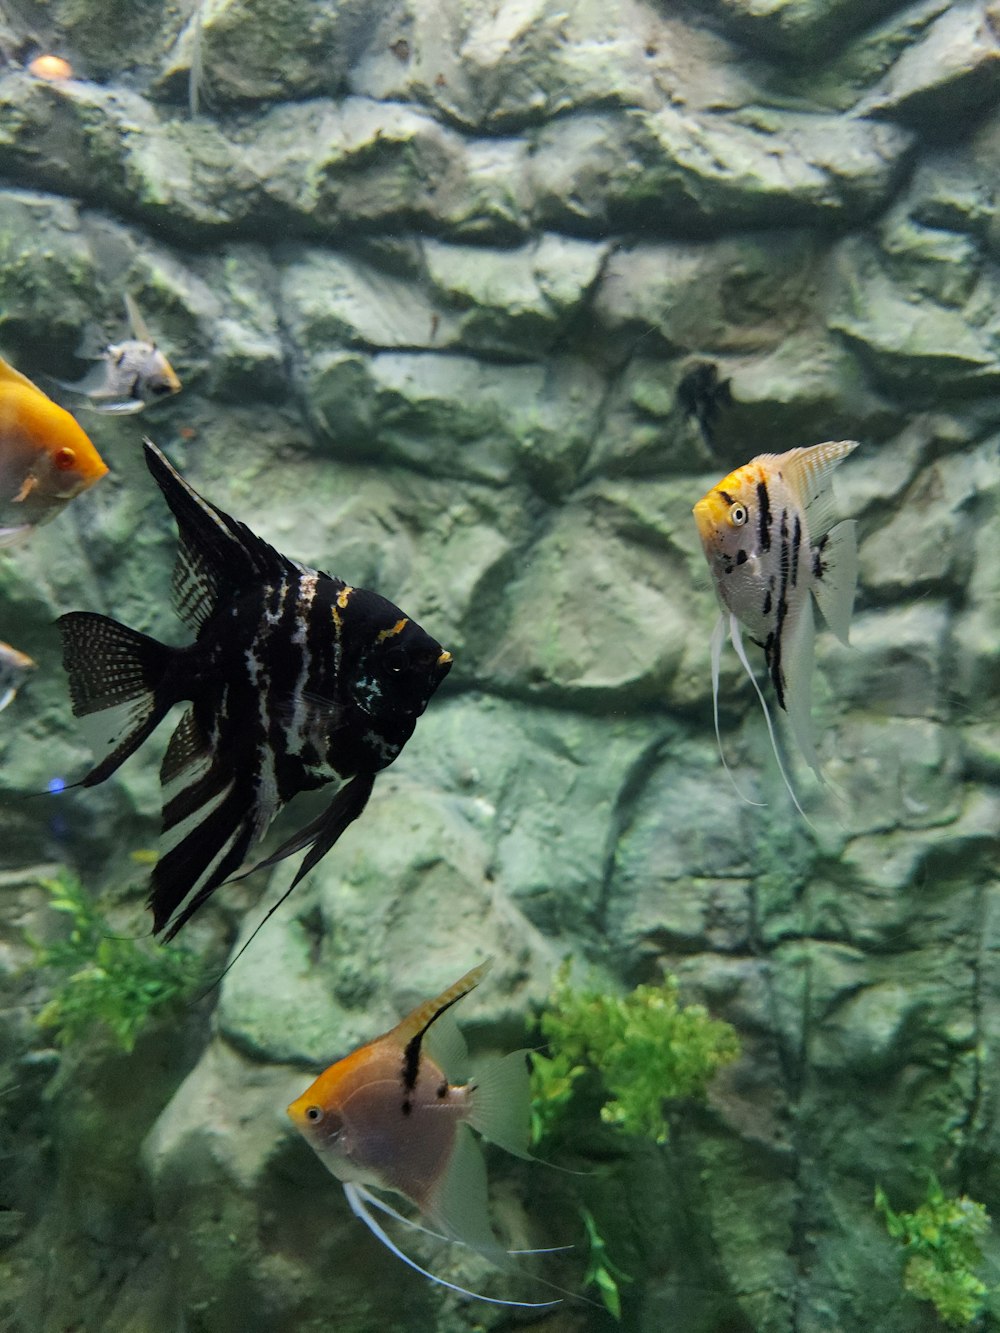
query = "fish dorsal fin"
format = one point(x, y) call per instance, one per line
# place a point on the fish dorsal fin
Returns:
point(835, 579)
point(216, 553)
point(446, 1046)
point(414, 1026)
point(807, 472)
point(8, 375)
point(137, 325)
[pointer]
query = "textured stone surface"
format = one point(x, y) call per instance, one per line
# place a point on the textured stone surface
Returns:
point(471, 303)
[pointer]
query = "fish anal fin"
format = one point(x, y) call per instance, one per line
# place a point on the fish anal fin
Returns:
point(458, 1203)
point(799, 654)
point(500, 1101)
point(737, 641)
point(208, 828)
point(187, 751)
point(835, 576)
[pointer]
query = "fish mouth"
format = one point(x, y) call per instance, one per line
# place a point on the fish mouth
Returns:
point(445, 660)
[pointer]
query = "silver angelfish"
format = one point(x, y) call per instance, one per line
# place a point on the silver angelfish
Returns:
point(766, 533)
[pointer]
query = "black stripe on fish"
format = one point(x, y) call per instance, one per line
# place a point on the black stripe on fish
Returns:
point(763, 517)
point(796, 545)
point(775, 639)
point(818, 563)
point(414, 1049)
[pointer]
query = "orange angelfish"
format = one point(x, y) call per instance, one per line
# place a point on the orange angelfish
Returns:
point(389, 1118)
point(766, 533)
point(46, 458)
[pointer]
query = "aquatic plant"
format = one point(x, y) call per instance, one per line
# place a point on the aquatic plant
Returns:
point(602, 1272)
point(646, 1047)
point(941, 1247)
point(108, 982)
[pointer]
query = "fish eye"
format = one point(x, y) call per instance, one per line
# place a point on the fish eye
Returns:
point(396, 660)
point(64, 459)
point(314, 1114)
point(737, 515)
point(159, 388)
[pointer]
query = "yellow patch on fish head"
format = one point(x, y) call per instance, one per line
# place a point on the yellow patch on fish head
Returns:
point(398, 628)
point(723, 514)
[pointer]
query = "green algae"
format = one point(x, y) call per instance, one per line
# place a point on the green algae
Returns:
point(646, 1047)
point(106, 983)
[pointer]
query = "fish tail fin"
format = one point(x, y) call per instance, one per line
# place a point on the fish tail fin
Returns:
point(500, 1101)
point(835, 576)
point(737, 638)
point(118, 684)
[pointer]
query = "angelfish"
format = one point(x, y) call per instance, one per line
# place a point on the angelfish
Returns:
point(766, 533)
point(295, 679)
point(14, 666)
point(46, 458)
point(131, 374)
point(389, 1118)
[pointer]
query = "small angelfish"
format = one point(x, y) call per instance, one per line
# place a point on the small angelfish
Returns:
point(46, 458)
point(14, 666)
point(766, 534)
point(389, 1118)
point(132, 374)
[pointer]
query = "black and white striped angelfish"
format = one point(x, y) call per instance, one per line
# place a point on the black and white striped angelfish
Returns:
point(766, 534)
point(294, 679)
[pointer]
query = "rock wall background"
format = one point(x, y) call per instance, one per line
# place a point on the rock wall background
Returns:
point(471, 302)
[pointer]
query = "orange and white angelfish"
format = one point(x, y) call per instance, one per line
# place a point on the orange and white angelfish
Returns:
point(766, 534)
point(46, 457)
point(389, 1118)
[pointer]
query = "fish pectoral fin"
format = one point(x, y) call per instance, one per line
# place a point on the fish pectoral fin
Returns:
point(13, 536)
point(836, 580)
point(27, 486)
point(322, 832)
point(125, 407)
point(500, 1101)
